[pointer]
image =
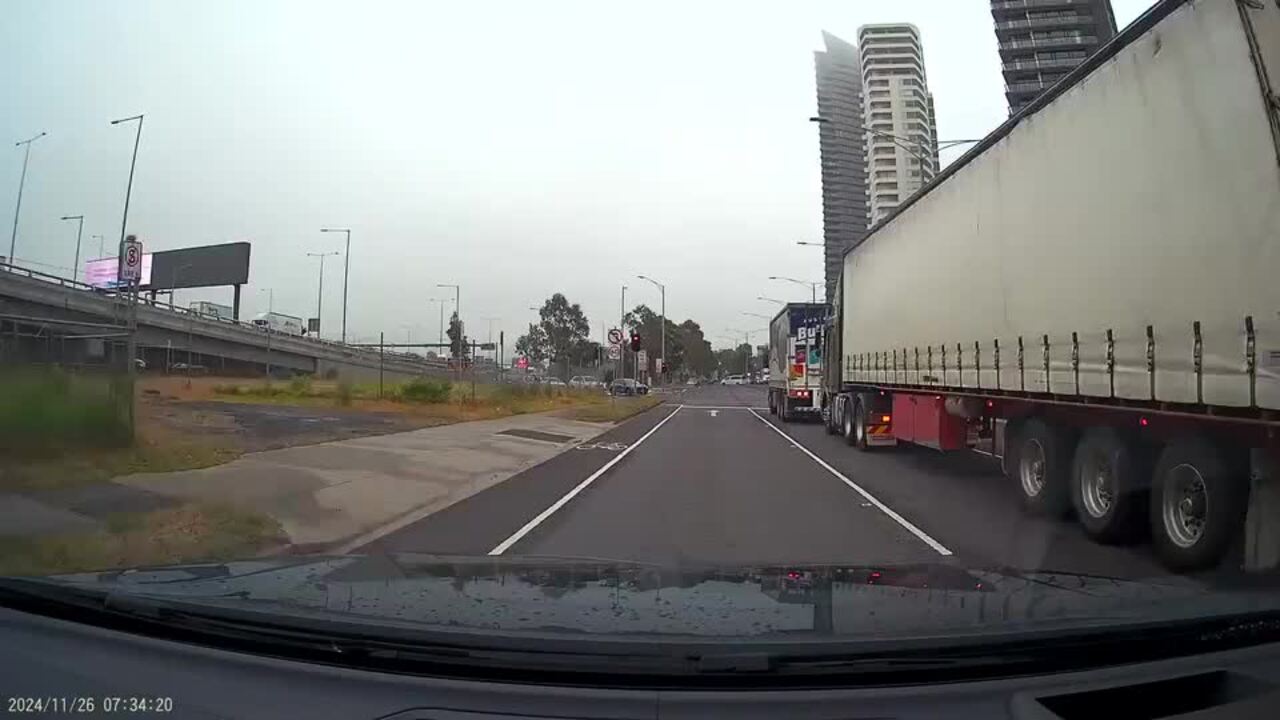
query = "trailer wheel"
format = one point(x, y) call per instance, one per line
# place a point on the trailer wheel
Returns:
point(773, 403)
point(829, 419)
point(1043, 469)
point(784, 408)
point(1197, 506)
point(1108, 486)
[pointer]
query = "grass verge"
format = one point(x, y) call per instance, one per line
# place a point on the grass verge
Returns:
point(90, 466)
point(619, 409)
point(44, 412)
point(190, 533)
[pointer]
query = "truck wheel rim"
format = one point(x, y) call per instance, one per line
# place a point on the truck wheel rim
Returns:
point(1097, 485)
point(848, 424)
point(1031, 468)
point(1185, 505)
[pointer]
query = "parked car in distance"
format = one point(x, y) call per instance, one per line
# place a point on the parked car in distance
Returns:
point(628, 386)
point(553, 381)
point(584, 382)
point(734, 380)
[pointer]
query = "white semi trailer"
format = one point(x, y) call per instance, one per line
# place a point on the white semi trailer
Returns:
point(1095, 289)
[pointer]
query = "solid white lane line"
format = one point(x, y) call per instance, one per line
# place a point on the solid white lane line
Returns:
point(505, 545)
point(922, 535)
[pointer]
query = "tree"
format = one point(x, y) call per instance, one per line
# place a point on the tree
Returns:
point(565, 327)
point(734, 362)
point(696, 356)
point(650, 326)
point(459, 347)
point(533, 344)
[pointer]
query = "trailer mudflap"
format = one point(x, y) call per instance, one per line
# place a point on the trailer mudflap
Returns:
point(881, 436)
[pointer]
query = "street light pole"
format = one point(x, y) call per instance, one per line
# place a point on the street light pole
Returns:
point(772, 300)
point(320, 290)
point(622, 324)
point(79, 229)
point(440, 302)
point(26, 155)
point(457, 310)
point(663, 343)
point(346, 276)
point(813, 286)
point(128, 191)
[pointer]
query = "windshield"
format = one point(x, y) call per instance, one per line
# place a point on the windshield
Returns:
point(855, 320)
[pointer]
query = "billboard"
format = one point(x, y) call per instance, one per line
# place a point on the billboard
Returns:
point(104, 272)
point(206, 266)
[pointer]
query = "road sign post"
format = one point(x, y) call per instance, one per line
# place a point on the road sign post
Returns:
point(129, 274)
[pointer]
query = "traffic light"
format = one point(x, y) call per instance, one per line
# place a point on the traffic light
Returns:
point(635, 341)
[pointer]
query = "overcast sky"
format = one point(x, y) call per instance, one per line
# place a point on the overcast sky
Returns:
point(515, 148)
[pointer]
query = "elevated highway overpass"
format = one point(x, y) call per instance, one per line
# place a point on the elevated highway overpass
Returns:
point(31, 299)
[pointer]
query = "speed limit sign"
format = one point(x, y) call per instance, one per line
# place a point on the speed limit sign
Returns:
point(131, 262)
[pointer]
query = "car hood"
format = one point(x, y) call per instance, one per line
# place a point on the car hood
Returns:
point(577, 596)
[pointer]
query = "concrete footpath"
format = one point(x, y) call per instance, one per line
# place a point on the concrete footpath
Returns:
point(337, 495)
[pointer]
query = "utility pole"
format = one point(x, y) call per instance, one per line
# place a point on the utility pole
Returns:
point(622, 325)
point(22, 182)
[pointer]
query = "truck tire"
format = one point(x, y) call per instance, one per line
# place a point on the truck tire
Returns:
point(1044, 468)
point(1198, 504)
point(846, 422)
point(860, 426)
point(1108, 486)
point(773, 403)
point(784, 408)
point(829, 419)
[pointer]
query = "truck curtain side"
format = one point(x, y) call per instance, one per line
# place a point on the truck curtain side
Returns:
point(796, 360)
point(1094, 288)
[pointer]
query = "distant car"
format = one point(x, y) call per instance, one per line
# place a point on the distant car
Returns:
point(584, 382)
point(139, 364)
point(554, 381)
point(691, 381)
point(627, 386)
point(734, 380)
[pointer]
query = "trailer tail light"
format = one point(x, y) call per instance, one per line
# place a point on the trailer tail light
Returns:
point(803, 394)
point(1143, 422)
point(885, 418)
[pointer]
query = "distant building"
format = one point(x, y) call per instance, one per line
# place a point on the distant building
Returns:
point(1043, 40)
point(845, 209)
point(898, 117)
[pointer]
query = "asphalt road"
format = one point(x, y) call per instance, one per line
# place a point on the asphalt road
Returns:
point(710, 478)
